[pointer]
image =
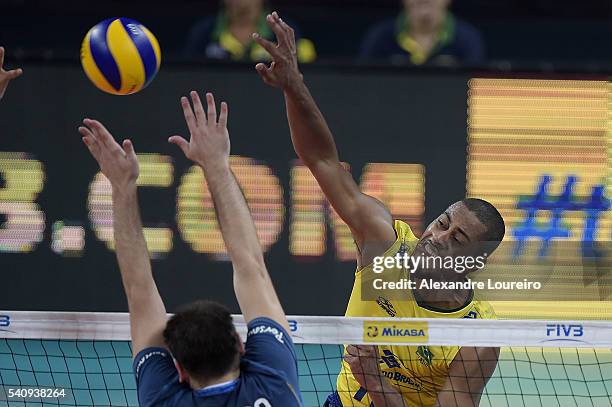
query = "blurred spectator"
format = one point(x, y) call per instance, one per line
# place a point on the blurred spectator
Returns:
point(227, 35)
point(424, 32)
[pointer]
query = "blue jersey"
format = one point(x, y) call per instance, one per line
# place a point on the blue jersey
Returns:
point(268, 375)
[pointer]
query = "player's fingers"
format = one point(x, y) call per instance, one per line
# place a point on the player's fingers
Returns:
point(15, 73)
point(366, 350)
point(197, 107)
point(353, 362)
point(223, 115)
point(289, 30)
point(282, 24)
point(280, 21)
point(261, 67)
point(211, 108)
point(90, 141)
point(88, 124)
point(181, 142)
point(265, 73)
point(85, 132)
point(90, 147)
point(103, 135)
point(108, 139)
point(1, 57)
point(128, 147)
point(279, 31)
point(267, 45)
point(349, 358)
point(189, 117)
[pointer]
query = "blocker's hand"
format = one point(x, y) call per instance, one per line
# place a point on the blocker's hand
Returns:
point(209, 143)
point(119, 164)
point(6, 76)
point(283, 71)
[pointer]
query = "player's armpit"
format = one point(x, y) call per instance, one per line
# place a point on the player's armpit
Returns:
point(468, 375)
point(368, 218)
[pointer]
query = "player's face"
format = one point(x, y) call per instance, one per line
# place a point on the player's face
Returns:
point(456, 232)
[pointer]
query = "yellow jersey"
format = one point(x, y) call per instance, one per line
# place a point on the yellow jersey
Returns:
point(417, 372)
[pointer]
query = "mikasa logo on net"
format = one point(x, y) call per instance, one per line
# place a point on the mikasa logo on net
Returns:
point(395, 331)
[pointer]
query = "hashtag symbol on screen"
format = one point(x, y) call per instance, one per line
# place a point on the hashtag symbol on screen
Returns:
point(558, 206)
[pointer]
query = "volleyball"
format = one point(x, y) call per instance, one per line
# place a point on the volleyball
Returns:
point(120, 56)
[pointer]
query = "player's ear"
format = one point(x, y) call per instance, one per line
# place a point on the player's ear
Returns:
point(183, 376)
point(239, 343)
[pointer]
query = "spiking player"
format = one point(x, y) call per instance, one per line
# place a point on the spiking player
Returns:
point(197, 358)
point(400, 375)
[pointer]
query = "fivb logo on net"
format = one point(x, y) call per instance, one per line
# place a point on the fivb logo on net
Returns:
point(593, 207)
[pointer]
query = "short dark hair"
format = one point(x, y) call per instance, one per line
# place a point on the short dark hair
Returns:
point(489, 216)
point(202, 338)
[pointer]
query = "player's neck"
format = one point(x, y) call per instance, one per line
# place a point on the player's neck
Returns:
point(228, 377)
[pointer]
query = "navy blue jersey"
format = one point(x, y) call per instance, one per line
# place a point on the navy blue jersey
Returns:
point(268, 375)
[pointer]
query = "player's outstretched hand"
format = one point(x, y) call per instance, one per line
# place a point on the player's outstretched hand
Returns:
point(363, 361)
point(209, 143)
point(283, 71)
point(6, 76)
point(119, 164)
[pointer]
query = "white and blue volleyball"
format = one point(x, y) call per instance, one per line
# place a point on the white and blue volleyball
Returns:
point(120, 56)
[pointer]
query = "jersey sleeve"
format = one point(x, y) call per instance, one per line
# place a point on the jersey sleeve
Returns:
point(269, 344)
point(155, 374)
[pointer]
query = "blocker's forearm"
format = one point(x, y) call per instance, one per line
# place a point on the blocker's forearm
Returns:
point(234, 217)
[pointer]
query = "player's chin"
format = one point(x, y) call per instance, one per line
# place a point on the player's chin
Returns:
point(419, 250)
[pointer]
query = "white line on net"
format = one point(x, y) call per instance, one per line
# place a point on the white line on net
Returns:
point(336, 330)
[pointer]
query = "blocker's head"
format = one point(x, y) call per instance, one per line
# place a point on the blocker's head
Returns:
point(203, 341)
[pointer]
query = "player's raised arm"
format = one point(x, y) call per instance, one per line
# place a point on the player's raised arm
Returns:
point(314, 143)
point(120, 165)
point(468, 375)
point(6, 76)
point(209, 147)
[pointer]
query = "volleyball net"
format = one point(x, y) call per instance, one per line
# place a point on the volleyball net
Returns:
point(84, 359)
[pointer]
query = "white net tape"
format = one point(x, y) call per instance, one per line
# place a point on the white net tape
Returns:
point(336, 330)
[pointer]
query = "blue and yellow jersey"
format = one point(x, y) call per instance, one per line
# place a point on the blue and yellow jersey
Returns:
point(417, 372)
